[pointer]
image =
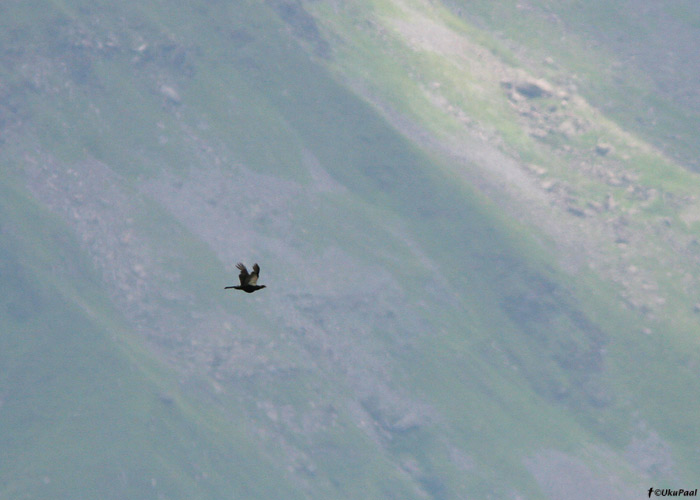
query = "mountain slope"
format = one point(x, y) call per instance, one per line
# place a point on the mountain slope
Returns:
point(85, 412)
point(428, 329)
point(634, 60)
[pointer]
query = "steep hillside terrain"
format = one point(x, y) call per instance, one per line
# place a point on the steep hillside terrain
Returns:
point(481, 273)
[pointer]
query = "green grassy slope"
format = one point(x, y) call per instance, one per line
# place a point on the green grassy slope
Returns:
point(634, 59)
point(398, 37)
point(86, 411)
point(438, 351)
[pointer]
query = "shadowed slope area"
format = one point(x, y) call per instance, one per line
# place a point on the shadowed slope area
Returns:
point(415, 341)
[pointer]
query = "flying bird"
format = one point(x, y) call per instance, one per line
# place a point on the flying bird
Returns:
point(249, 281)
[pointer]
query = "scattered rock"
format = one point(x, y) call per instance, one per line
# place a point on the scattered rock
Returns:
point(612, 179)
point(567, 128)
point(594, 205)
point(560, 475)
point(536, 169)
point(622, 233)
point(603, 148)
point(539, 133)
point(166, 399)
point(506, 84)
point(548, 185)
point(649, 452)
point(534, 88)
point(577, 211)
point(170, 94)
point(610, 203)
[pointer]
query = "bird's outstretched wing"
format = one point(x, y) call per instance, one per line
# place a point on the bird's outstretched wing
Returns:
point(253, 277)
point(243, 276)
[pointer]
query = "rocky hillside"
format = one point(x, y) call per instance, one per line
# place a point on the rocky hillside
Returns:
point(481, 270)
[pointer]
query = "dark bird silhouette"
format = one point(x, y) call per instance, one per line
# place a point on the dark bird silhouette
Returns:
point(249, 281)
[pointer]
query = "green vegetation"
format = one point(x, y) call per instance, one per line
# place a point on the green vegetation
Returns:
point(414, 340)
